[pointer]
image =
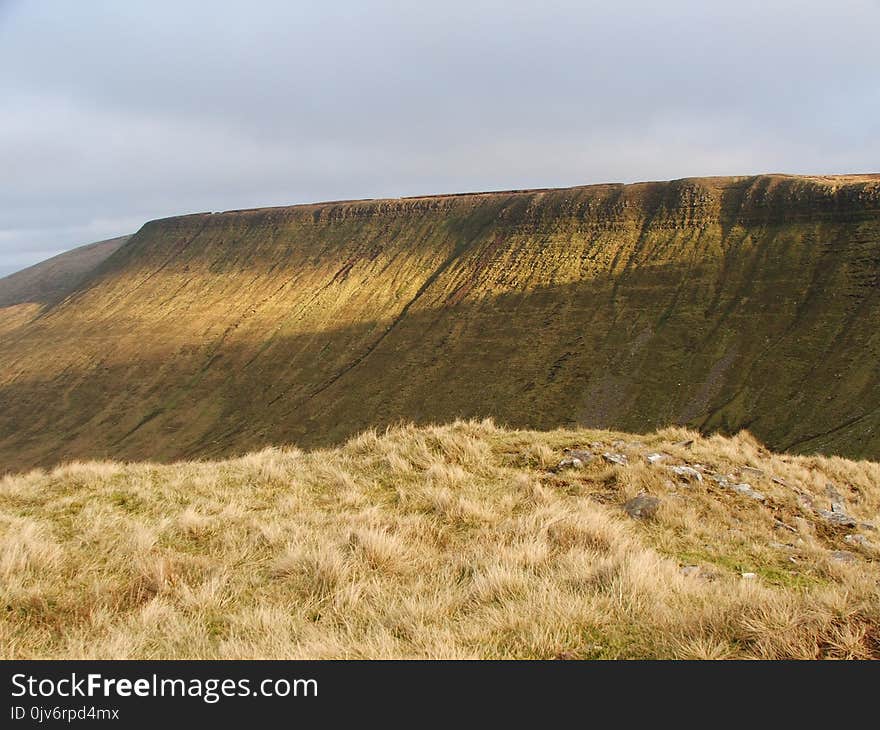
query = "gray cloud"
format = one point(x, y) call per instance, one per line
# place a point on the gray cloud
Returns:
point(114, 113)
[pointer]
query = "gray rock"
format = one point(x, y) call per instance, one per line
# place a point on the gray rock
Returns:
point(575, 459)
point(838, 504)
point(690, 571)
point(837, 518)
point(843, 556)
point(859, 540)
point(752, 470)
point(749, 576)
point(687, 472)
point(653, 458)
point(644, 506)
point(619, 459)
point(746, 490)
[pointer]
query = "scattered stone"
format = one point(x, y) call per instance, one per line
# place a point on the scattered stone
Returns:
point(837, 518)
point(748, 576)
point(619, 459)
point(746, 490)
point(687, 472)
point(575, 459)
point(843, 556)
point(618, 444)
point(837, 501)
point(644, 506)
point(690, 571)
point(859, 540)
point(653, 458)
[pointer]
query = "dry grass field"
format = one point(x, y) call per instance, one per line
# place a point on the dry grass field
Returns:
point(457, 541)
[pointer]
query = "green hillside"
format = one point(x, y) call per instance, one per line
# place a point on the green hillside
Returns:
point(717, 303)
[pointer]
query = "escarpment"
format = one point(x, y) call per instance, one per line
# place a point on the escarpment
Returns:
point(717, 303)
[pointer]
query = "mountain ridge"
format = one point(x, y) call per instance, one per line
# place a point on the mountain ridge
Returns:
point(721, 303)
point(838, 178)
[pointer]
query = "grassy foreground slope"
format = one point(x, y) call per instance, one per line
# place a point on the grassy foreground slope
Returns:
point(457, 541)
point(716, 303)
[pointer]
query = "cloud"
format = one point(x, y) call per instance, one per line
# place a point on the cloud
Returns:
point(117, 113)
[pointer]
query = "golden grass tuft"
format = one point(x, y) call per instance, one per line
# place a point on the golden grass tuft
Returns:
point(459, 541)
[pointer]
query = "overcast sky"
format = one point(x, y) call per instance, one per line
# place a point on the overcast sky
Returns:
point(113, 113)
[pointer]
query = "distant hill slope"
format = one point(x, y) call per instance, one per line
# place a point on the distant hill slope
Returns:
point(54, 278)
point(718, 303)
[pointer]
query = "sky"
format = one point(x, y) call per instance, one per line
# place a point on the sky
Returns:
point(112, 114)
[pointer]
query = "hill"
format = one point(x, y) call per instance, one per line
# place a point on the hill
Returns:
point(449, 541)
point(51, 280)
point(716, 303)
point(25, 293)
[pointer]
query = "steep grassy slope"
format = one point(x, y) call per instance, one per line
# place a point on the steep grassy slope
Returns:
point(717, 303)
point(25, 293)
point(455, 541)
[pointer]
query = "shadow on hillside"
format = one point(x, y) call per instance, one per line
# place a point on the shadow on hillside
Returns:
point(654, 346)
